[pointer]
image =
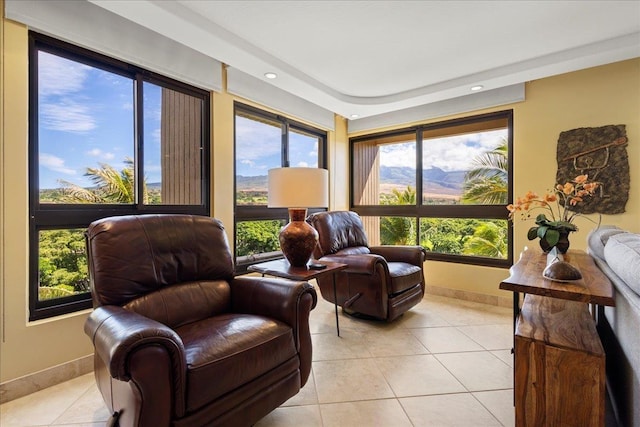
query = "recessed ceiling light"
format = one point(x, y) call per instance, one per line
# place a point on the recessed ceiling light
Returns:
point(478, 87)
point(270, 75)
point(355, 116)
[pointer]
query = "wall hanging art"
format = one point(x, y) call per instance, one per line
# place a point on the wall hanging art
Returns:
point(601, 153)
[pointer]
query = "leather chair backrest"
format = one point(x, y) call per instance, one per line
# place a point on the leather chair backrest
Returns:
point(132, 256)
point(337, 231)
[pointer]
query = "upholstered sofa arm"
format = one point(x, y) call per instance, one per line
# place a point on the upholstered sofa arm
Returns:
point(117, 332)
point(280, 299)
point(414, 255)
point(358, 264)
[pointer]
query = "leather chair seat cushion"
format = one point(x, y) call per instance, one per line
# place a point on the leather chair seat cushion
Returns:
point(403, 276)
point(226, 351)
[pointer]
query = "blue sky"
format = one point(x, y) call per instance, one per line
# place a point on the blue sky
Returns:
point(86, 118)
point(258, 148)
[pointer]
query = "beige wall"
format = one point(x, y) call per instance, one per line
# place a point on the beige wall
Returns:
point(26, 347)
point(605, 95)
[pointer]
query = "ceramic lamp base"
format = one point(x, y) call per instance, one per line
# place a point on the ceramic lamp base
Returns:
point(298, 239)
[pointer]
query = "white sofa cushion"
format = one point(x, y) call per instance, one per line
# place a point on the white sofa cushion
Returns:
point(622, 253)
point(598, 237)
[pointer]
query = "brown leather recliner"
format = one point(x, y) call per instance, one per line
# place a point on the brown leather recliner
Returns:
point(178, 340)
point(381, 281)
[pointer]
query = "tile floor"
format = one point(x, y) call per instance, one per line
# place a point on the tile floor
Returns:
point(444, 363)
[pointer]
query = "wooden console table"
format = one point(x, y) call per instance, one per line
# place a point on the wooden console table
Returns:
point(559, 362)
point(282, 268)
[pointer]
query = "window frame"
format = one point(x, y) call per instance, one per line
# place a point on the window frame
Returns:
point(420, 210)
point(49, 216)
point(263, 213)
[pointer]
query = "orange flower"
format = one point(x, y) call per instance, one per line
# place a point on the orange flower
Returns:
point(581, 179)
point(568, 188)
point(557, 202)
point(591, 187)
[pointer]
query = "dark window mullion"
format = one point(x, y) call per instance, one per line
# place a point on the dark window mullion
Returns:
point(285, 144)
point(138, 135)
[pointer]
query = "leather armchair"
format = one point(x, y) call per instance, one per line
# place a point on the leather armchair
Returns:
point(381, 282)
point(180, 341)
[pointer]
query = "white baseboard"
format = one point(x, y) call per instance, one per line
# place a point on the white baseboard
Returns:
point(470, 296)
point(37, 381)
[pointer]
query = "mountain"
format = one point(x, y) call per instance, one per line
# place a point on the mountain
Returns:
point(247, 183)
point(435, 179)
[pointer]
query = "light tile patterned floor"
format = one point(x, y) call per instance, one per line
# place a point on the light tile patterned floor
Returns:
point(444, 363)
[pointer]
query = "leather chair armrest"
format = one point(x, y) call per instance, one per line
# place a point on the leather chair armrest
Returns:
point(358, 264)
point(271, 297)
point(415, 255)
point(116, 333)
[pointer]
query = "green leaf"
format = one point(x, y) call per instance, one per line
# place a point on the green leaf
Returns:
point(541, 218)
point(542, 231)
point(552, 237)
point(532, 233)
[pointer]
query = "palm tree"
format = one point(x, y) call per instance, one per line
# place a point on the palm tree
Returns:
point(486, 184)
point(399, 230)
point(488, 240)
point(111, 186)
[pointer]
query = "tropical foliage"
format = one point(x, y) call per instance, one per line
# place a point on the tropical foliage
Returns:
point(399, 230)
point(111, 185)
point(254, 237)
point(62, 265)
point(486, 183)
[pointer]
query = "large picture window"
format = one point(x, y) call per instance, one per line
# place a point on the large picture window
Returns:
point(106, 138)
point(444, 186)
point(263, 141)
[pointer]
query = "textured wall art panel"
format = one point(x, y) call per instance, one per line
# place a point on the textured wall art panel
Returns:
point(601, 153)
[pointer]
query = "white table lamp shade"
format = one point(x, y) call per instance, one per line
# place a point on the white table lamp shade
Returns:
point(298, 188)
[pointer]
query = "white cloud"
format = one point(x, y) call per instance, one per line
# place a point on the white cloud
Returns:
point(454, 153)
point(67, 116)
point(398, 155)
point(302, 164)
point(256, 140)
point(55, 163)
point(96, 152)
point(59, 76)
point(248, 162)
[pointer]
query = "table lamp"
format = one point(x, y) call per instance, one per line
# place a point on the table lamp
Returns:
point(298, 189)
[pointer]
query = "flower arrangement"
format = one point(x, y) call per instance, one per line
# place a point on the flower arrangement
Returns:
point(558, 204)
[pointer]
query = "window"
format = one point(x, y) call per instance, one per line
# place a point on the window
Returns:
point(106, 138)
point(263, 141)
point(444, 186)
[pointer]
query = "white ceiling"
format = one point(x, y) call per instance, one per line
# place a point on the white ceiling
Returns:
point(374, 57)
